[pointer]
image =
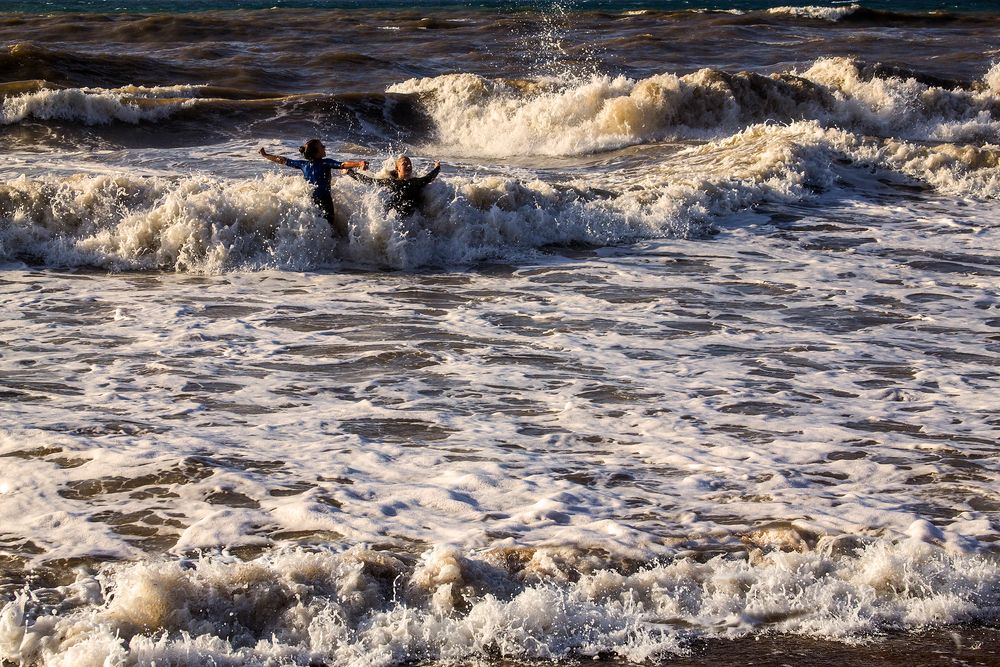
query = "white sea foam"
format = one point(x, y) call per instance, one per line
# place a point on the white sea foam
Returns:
point(371, 608)
point(123, 221)
point(906, 108)
point(240, 410)
point(206, 223)
point(815, 12)
point(951, 169)
point(695, 398)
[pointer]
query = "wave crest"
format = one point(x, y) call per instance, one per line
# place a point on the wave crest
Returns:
point(126, 222)
point(131, 104)
point(815, 12)
point(500, 118)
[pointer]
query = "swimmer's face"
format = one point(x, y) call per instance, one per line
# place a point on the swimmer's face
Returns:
point(404, 168)
point(321, 151)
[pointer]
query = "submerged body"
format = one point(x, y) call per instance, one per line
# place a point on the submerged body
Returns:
point(404, 190)
point(318, 170)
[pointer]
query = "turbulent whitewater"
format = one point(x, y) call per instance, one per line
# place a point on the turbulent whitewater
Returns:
point(694, 339)
point(770, 138)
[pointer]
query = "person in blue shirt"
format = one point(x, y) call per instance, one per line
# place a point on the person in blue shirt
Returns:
point(317, 168)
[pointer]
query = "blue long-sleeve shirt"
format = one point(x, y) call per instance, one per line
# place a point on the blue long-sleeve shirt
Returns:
point(317, 172)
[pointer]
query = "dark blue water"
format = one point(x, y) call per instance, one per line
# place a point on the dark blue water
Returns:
point(173, 6)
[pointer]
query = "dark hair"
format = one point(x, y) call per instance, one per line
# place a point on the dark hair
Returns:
point(310, 149)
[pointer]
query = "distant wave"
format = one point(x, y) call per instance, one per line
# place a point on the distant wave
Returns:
point(95, 107)
point(467, 114)
point(201, 114)
point(362, 607)
point(814, 12)
point(857, 13)
point(80, 67)
point(493, 117)
point(41, 100)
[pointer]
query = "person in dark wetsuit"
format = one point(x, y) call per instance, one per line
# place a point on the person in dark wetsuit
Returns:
point(404, 190)
point(317, 168)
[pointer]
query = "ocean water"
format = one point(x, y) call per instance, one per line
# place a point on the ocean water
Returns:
point(691, 353)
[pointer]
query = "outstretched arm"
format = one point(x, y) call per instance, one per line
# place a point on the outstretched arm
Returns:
point(277, 159)
point(431, 175)
point(359, 177)
point(356, 164)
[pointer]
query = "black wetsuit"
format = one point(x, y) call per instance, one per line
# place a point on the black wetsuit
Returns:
point(404, 194)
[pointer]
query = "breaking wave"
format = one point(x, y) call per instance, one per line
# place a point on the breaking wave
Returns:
point(859, 14)
point(814, 12)
point(96, 107)
point(364, 607)
point(469, 115)
point(500, 118)
point(206, 223)
point(208, 113)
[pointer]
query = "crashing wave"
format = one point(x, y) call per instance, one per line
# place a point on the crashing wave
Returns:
point(499, 118)
point(131, 104)
point(469, 115)
point(364, 607)
point(203, 223)
point(814, 12)
point(122, 221)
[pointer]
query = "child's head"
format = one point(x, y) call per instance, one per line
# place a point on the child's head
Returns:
point(313, 149)
point(404, 167)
